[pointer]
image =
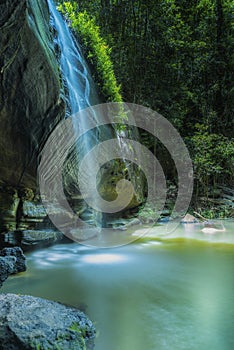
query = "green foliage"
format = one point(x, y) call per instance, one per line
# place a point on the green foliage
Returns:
point(175, 57)
point(218, 212)
point(213, 156)
point(98, 53)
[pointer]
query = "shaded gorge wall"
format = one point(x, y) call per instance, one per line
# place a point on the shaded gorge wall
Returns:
point(31, 104)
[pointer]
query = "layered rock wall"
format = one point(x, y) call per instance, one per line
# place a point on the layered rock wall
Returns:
point(30, 100)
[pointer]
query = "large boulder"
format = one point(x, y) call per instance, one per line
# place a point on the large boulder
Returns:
point(28, 323)
point(12, 260)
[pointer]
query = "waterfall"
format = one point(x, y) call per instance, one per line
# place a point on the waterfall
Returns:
point(80, 91)
point(110, 191)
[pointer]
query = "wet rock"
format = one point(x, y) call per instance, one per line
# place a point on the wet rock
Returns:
point(31, 238)
point(10, 239)
point(124, 224)
point(188, 218)
point(9, 202)
point(33, 210)
point(12, 260)
point(5, 269)
point(28, 323)
point(109, 182)
point(31, 213)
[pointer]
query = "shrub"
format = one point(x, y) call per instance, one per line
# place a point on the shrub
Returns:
point(213, 158)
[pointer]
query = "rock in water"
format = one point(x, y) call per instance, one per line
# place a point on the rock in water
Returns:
point(12, 260)
point(28, 322)
point(189, 219)
point(32, 238)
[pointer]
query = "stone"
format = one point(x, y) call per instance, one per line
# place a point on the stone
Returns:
point(124, 224)
point(12, 261)
point(28, 322)
point(31, 239)
point(40, 238)
point(30, 214)
point(9, 202)
point(5, 269)
point(189, 219)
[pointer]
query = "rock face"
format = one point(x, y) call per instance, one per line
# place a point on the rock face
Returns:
point(28, 323)
point(12, 260)
point(30, 98)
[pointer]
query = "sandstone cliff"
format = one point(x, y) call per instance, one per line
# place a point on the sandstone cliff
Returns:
point(30, 99)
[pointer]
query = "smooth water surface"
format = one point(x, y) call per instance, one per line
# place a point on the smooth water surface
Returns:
point(152, 295)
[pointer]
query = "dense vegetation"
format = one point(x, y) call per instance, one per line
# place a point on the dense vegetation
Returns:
point(96, 49)
point(175, 57)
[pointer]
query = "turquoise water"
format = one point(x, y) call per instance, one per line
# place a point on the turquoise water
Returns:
point(153, 294)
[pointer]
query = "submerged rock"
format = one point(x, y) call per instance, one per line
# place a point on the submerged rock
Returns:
point(12, 260)
point(28, 322)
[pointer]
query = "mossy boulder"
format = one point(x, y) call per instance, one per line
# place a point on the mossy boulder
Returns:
point(32, 323)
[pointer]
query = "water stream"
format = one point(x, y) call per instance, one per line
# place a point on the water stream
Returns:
point(154, 294)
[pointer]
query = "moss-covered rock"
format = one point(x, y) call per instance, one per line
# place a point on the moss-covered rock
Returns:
point(28, 322)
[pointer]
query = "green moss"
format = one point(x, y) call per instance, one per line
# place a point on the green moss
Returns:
point(98, 53)
point(74, 336)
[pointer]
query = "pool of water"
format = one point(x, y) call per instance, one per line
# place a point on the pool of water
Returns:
point(156, 294)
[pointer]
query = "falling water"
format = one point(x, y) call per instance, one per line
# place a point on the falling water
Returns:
point(81, 94)
point(80, 90)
